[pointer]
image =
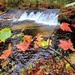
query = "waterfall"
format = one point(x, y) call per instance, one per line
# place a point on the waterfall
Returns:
point(47, 17)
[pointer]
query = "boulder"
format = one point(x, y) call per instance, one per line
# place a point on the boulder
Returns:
point(2, 6)
point(67, 14)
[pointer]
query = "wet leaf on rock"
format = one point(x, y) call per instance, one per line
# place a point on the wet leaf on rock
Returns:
point(65, 45)
point(44, 44)
point(65, 27)
point(5, 34)
point(25, 44)
point(6, 53)
point(37, 42)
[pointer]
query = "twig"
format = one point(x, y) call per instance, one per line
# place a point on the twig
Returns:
point(61, 56)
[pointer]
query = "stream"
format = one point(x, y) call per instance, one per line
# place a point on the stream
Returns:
point(32, 22)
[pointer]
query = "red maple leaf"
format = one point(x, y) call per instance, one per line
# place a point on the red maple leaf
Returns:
point(65, 45)
point(5, 54)
point(65, 27)
point(25, 44)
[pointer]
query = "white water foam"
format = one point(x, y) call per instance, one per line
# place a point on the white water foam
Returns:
point(43, 17)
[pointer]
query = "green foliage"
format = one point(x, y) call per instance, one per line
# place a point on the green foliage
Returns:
point(57, 58)
point(35, 3)
point(5, 34)
point(29, 66)
point(22, 69)
point(44, 43)
point(68, 66)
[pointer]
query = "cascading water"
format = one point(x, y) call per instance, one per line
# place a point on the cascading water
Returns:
point(45, 17)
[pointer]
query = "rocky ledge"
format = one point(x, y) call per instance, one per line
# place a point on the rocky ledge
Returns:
point(67, 14)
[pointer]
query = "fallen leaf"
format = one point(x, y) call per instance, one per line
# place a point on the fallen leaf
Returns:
point(68, 66)
point(5, 34)
point(6, 53)
point(65, 45)
point(27, 38)
point(44, 44)
point(4, 63)
point(40, 72)
point(65, 27)
point(37, 42)
point(25, 44)
point(49, 42)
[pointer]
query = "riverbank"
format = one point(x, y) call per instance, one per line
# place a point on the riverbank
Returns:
point(6, 5)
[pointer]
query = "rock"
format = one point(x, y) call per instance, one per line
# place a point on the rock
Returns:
point(71, 58)
point(1, 12)
point(67, 14)
point(2, 6)
point(9, 16)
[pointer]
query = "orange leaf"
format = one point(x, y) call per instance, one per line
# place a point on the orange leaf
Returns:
point(27, 38)
point(65, 45)
point(37, 42)
point(65, 27)
point(5, 54)
point(25, 44)
point(4, 63)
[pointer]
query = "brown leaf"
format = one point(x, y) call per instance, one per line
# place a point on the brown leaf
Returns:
point(40, 72)
point(37, 42)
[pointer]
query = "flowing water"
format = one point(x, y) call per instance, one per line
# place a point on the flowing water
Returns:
point(45, 17)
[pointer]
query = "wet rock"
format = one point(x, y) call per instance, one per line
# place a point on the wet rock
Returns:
point(67, 14)
point(10, 16)
point(1, 12)
point(71, 58)
point(2, 6)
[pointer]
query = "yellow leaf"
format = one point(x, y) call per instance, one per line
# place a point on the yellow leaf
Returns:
point(49, 42)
